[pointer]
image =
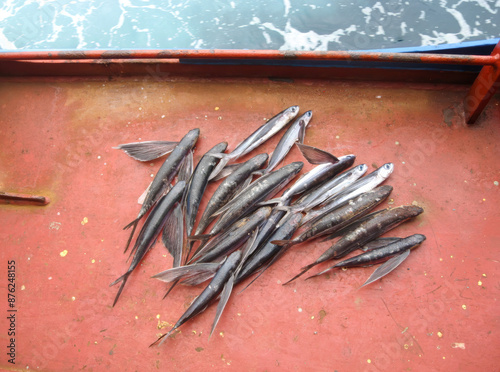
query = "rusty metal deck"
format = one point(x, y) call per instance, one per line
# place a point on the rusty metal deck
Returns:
point(438, 311)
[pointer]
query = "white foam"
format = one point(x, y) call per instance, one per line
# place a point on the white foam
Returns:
point(482, 3)
point(310, 40)
point(403, 28)
point(464, 33)
point(288, 6)
point(267, 37)
point(4, 42)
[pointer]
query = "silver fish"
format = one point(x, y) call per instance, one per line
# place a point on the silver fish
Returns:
point(296, 132)
point(364, 184)
point(228, 188)
point(266, 131)
point(164, 177)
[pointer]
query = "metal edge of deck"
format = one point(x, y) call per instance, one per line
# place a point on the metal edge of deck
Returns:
point(266, 63)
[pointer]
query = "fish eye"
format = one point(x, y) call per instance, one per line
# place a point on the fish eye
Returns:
point(309, 113)
point(387, 166)
point(294, 108)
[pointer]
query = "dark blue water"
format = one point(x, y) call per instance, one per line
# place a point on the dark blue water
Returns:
point(256, 24)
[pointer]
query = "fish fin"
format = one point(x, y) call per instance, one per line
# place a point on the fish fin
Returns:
point(259, 173)
point(304, 270)
point(224, 297)
point(387, 267)
point(280, 242)
point(278, 255)
point(144, 194)
point(186, 168)
point(378, 243)
point(269, 202)
point(302, 131)
point(201, 237)
point(224, 159)
point(132, 251)
point(316, 156)
point(119, 279)
point(184, 272)
point(134, 224)
point(172, 236)
point(197, 253)
point(244, 184)
point(226, 171)
point(224, 208)
point(146, 151)
point(321, 272)
point(198, 279)
point(248, 249)
point(162, 338)
point(125, 278)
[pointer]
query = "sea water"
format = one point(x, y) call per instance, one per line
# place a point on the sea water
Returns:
point(258, 24)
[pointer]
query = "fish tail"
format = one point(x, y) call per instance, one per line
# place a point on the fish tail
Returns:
point(304, 270)
point(320, 273)
point(126, 276)
point(134, 224)
point(170, 289)
point(162, 338)
point(118, 280)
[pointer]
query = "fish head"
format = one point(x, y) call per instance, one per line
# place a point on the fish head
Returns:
point(348, 160)
point(220, 147)
point(417, 238)
point(194, 133)
point(383, 191)
point(294, 220)
point(292, 168)
point(411, 210)
point(296, 166)
point(260, 159)
point(263, 212)
point(386, 170)
point(361, 169)
point(291, 112)
point(306, 117)
point(233, 259)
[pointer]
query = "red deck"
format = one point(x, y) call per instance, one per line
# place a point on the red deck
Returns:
point(438, 311)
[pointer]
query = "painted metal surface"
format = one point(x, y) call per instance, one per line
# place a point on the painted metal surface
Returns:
point(483, 88)
point(438, 311)
point(254, 54)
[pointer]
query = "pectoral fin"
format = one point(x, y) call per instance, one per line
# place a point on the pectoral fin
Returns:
point(224, 297)
point(387, 267)
point(316, 156)
point(146, 151)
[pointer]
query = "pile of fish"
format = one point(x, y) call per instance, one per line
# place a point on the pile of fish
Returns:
point(251, 228)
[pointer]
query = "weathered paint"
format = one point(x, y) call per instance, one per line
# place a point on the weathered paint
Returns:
point(57, 135)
